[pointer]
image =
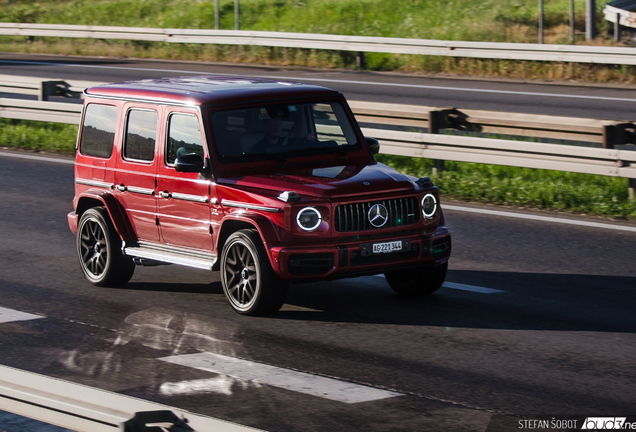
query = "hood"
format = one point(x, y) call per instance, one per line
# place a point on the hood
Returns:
point(327, 182)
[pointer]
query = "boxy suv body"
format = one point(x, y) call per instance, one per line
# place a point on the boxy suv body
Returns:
point(268, 182)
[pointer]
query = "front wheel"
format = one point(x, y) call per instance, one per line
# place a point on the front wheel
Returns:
point(417, 281)
point(249, 282)
point(99, 250)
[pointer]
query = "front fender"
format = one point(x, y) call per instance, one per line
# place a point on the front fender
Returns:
point(267, 230)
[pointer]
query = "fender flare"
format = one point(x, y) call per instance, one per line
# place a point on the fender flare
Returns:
point(115, 210)
point(266, 230)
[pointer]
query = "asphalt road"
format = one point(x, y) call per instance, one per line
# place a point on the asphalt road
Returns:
point(553, 336)
point(563, 99)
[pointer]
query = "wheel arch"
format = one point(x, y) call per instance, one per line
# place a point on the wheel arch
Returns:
point(261, 224)
point(115, 211)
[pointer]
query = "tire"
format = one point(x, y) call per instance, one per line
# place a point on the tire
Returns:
point(417, 281)
point(99, 250)
point(249, 283)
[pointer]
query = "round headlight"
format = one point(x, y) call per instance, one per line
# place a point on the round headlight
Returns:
point(429, 206)
point(308, 219)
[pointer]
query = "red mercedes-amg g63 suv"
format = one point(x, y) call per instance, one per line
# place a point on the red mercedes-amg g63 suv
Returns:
point(267, 182)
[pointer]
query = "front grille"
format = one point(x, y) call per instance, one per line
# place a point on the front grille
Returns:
point(354, 217)
point(357, 259)
point(311, 263)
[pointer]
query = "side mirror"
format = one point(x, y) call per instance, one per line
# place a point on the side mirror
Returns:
point(190, 163)
point(374, 145)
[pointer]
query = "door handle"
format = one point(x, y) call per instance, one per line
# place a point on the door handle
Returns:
point(165, 194)
point(121, 188)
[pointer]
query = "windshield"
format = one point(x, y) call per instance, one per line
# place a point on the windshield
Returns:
point(270, 131)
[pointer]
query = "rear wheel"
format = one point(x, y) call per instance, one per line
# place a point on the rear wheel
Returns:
point(99, 250)
point(417, 281)
point(249, 282)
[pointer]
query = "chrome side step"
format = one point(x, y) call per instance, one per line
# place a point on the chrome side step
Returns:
point(170, 255)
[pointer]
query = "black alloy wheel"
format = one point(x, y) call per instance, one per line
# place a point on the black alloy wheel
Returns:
point(249, 282)
point(99, 250)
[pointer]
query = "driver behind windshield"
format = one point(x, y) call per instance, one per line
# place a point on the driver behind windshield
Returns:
point(273, 135)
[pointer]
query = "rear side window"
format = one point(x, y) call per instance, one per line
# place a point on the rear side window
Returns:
point(184, 136)
point(141, 135)
point(98, 132)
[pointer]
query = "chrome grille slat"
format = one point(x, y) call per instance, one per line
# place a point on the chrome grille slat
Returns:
point(353, 217)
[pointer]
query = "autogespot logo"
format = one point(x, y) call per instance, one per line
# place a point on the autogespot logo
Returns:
point(606, 423)
point(378, 215)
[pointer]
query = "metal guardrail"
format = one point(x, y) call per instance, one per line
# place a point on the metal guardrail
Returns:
point(360, 44)
point(44, 88)
point(621, 10)
point(86, 409)
point(55, 112)
point(606, 161)
point(607, 132)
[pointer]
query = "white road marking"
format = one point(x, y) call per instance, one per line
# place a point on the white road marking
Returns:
point(221, 385)
point(10, 315)
point(478, 289)
point(463, 287)
point(541, 218)
point(326, 80)
point(37, 158)
point(328, 388)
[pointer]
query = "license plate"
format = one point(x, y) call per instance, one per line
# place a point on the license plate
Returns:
point(368, 249)
point(387, 247)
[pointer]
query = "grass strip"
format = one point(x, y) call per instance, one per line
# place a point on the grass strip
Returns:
point(38, 136)
point(518, 187)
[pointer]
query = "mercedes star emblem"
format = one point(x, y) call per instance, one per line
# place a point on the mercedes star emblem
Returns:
point(378, 215)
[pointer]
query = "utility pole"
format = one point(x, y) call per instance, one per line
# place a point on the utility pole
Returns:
point(540, 21)
point(572, 22)
point(590, 19)
point(236, 15)
point(217, 18)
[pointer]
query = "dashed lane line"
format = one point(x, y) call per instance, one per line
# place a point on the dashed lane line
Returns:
point(314, 385)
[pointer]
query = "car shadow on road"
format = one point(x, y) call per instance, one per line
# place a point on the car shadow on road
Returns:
point(531, 301)
point(191, 288)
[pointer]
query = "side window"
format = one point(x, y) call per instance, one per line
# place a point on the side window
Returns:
point(98, 131)
point(141, 135)
point(184, 136)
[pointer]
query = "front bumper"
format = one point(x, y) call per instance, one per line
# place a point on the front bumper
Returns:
point(72, 222)
point(325, 262)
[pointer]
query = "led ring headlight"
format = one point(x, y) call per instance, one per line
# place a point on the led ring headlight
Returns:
point(429, 205)
point(308, 219)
